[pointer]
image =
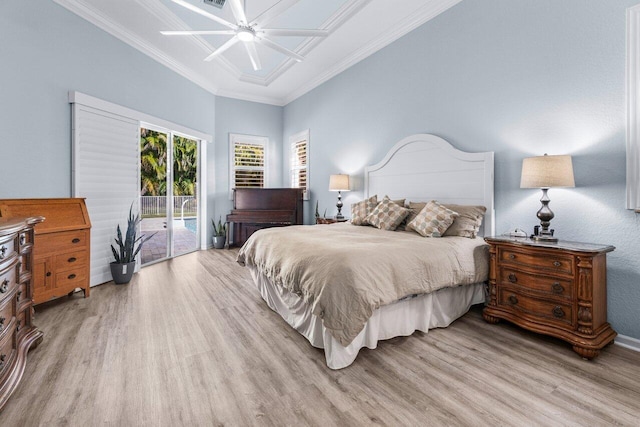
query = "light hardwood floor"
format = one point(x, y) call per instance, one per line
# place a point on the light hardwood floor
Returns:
point(190, 342)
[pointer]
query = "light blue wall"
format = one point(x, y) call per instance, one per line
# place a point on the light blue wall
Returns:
point(249, 118)
point(516, 77)
point(45, 51)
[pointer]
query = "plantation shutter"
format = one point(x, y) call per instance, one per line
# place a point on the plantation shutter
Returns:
point(299, 162)
point(105, 173)
point(248, 162)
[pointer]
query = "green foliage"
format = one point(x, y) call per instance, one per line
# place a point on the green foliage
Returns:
point(220, 229)
point(153, 164)
point(127, 248)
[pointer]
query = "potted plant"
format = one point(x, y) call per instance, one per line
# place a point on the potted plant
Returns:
point(219, 234)
point(125, 256)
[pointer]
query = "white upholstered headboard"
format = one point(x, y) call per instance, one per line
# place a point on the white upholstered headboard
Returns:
point(425, 167)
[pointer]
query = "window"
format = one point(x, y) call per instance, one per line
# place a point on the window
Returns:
point(299, 162)
point(248, 156)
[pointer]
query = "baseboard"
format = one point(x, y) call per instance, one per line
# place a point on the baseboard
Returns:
point(628, 342)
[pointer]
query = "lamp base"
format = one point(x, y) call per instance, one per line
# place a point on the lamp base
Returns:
point(545, 238)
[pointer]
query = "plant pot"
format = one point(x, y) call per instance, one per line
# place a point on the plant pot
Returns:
point(122, 273)
point(219, 241)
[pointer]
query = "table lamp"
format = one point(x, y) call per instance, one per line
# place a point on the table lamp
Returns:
point(545, 172)
point(339, 183)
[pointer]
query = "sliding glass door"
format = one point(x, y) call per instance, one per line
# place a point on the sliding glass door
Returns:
point(169, 193)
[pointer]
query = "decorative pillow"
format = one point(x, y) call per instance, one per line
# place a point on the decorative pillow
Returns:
point(414, 210)
point(433, 220)
point(387, 215)
point(362, 209)
point(468, 223)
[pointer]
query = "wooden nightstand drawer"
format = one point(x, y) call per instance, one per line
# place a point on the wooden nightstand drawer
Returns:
point(6, 316)
point(61, 241)
point(71, 260)
point(8, 279)
point(557, 263)
point(7, 248)
point(532, 307)
point(7, 351)
point(545, 285)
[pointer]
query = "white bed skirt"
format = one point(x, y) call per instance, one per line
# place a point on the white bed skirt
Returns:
point(402, 318)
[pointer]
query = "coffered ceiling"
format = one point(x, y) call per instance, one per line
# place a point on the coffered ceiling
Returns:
point(356, 29)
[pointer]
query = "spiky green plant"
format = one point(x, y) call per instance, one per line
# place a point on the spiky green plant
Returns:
point(131, 245)
point(220, 229)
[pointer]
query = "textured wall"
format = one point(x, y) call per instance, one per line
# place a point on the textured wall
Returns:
point(249, 118)
point(45, 51)
point(516, 77)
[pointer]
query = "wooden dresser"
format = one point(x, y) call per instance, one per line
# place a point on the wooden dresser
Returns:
point(62, 251)
point(558, 289)
point(257, 208)
point(17, 333)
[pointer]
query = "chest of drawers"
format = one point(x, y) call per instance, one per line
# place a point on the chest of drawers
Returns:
point(17, 332)
point(62, 250)
point(558, 289)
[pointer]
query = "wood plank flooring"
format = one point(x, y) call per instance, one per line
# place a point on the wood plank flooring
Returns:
point(190, 342)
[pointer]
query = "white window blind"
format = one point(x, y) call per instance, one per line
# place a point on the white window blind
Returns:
point(299, 162)
point(248, 161)
point(106, 167)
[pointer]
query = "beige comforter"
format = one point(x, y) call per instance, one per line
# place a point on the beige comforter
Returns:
point(346, 272)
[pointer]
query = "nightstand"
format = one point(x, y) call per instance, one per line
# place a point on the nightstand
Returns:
point(557, 289)
point(330, 220)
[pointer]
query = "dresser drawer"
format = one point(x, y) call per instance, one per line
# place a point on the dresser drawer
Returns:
point(537, 260)
point(71, 260)
point(559, 313)
point(7, 311)
point(7, 351)
point(548, 286)
point(7, 247)
point(63, 241)
point(72, 279)
point(8, 279)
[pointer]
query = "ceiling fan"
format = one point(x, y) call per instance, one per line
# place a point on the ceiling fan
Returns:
point(247, 32)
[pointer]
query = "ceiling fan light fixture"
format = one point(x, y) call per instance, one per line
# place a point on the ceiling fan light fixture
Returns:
point(246, 34)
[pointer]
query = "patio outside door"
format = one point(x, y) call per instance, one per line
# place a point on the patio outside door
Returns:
point(168, 194)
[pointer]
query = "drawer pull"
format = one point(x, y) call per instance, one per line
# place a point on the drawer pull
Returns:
point(558, 312)
point(48, 273)
point(71, 276)
point(3, 357)
point(3, 252)
point(18, 326)
point(513, 278)
point(4, 286)
point(2, 319)
point(513, 299)
point(22, 239)
point(76, 240)
point(557, 263)
point(512, 256)
point(72, 259)
point(557, 288)
point(18, 294)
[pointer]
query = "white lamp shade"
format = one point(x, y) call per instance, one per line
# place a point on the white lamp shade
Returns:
point(547, 171)
point(339, 182)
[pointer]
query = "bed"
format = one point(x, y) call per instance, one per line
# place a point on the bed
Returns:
point(346, 287)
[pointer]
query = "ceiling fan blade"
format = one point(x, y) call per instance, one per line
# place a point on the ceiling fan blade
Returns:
point(197, 32)
point(253, 55)
point(205, 13)
point(275, 46)
point(222, 48)
point(268, 15)
point(238, 12)
point(294, 32)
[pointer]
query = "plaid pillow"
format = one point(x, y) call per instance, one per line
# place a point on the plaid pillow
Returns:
point(360, 210)
point(387, 215)
point(433, 220)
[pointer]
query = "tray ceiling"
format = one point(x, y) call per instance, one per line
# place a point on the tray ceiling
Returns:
point(357, 28)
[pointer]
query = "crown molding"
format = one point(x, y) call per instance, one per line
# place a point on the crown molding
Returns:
point(332, 23)
point(165, 15)
point(429, 11)
point(278, 102)
point(102, 22)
